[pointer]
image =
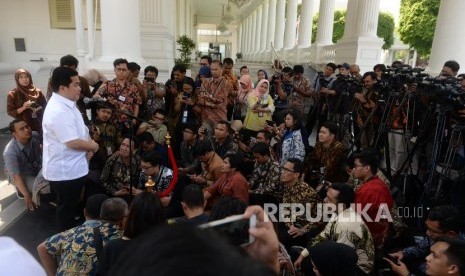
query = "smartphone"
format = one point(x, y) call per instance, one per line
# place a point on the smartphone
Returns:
point(270, 123)
point(393, 259)
point(234, 228)
point(149, 79)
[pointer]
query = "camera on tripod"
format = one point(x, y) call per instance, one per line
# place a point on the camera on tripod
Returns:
point(323, 82)
point(445, 91)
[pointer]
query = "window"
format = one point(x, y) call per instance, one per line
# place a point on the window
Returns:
point(62, 13)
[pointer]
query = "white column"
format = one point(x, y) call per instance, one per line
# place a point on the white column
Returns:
point(280, 21)
point(367, 18)
point(447, 43)
point(81, 52)
point(325, 23)
point(271, 24)
point(90, 29)
point(351, 19)
point(239, 39)
point(264, 28)
point(181, 10)
point(120, 38)
point(253, 37)
point(306, 22)
point(249, 33)
point(291, 24)
point(258, 29)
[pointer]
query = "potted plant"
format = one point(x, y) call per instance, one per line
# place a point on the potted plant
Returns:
point(187, 46)
point(239, 56)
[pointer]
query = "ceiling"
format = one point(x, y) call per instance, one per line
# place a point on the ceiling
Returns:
point(208, 13)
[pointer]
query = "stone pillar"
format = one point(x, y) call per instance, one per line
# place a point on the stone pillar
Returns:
point(181, 16)
point(120, 38)
point(239, 39)
point(360, 43)
point(258, 30)
point(253, 37)
point(271, 24)
point(291, 24)
point(265, 27)
point(80, 50)
point(447, 43)
point(367, 18)
point(351, 19)
point(306, 22)
point(249, 34)
point(90, 29)
point(325, 23)
point(279, 28)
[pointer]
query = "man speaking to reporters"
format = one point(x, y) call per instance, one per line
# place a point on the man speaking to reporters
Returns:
point(66, 145)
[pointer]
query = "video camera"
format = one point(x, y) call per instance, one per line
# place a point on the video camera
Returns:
point(321, 79)
point(444, 90)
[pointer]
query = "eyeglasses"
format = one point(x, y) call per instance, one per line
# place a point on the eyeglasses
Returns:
point(287, 170)
point(146, 168)
point(158, 118)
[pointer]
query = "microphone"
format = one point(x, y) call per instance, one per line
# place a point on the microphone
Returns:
point(87, 100)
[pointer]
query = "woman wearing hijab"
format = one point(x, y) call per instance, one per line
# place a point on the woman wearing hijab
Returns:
point(26, 102)
point(260, 107)
point(240, 106)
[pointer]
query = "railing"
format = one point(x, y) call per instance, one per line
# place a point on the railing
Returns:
point(275, 57)
point(329, 53)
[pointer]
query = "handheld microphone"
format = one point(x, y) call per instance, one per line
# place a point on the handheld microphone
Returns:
point(87, 100)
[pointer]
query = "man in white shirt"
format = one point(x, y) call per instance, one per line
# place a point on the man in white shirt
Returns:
point(66, 144)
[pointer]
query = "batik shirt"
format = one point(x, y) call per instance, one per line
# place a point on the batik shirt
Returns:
point(292, 146)
point(218, 89)
point(109, 139)
point(116, 174)
point(302, 193)
point(162, 180)
point(348, 228)
point(123, 98)
point(265, 179)
point(76, 247)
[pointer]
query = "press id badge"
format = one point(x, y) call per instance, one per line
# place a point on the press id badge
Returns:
point(109, 151)
point(122, 98)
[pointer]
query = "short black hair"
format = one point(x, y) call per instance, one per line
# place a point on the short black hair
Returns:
point(94, 205)
point(192, 196)
point(243, 67)
point(447, 216)
point(153, 157)
point(217, 61)
point(227, 206)
point(261, 148)
point(228, 61)
point(62, 76)
point(297, 164)
point(202, 147)
point(397, 64)
point(196, 249)
point(151, 68)
point(331, 126)
point(235, 160)
point(160, 111)
point(119, 61)
point(379, 66)
point(105, 105)
point(192, 126)
point(287, 70)
point(69, 60)
point(346, 193)
point(179, 67)
point(11, 125)
point(146, 211)
point(453, 65)
point(226, 123)
point(132, 66)
point(296, 115)
point(134, 140)
point(114, 209)
point(332, 65)
point(189, 81)
point(266, 133)
point(368, 157)
point(371, 74)
point(209, 58)
point(455, 252)
point(146, 137)
point(298, 69)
